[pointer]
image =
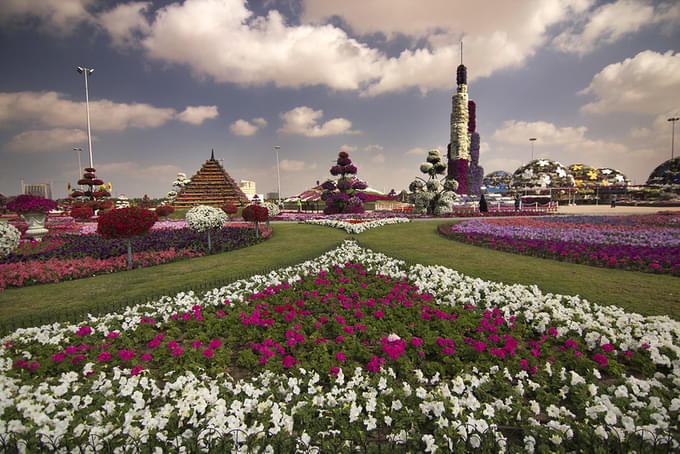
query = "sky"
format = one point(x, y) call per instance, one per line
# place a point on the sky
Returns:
point(593, 81)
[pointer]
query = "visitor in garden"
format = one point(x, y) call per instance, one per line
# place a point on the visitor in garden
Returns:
point(299, 204)
point(517, 202)
point(613, 201)
point(483, 208)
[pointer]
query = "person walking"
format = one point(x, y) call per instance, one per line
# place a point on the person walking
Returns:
point(518, 200)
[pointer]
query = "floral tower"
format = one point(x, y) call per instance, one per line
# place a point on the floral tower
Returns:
point(463, 149)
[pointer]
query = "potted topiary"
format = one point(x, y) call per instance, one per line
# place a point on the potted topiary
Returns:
point(204, 218)
point(229, 208)
point(126, 223)
point(256, 214)
point(34, 210)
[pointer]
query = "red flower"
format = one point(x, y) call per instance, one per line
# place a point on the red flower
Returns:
point(125, 222)
point(255, 213)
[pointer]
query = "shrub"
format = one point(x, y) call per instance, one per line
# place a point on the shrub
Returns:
point(9, 238)
point(28, 202)
point(82, 213)
point(164, 210)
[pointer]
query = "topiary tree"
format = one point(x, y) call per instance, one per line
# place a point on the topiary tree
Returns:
point(433, 195)
point(229, 208)
point(126, 223)
point(164, 210)
point(255, 213)
point(204, 218)
point(94, 195)
point(343, 195)
point(180, 182)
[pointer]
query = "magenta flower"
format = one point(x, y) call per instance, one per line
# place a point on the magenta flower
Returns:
point(58, 357)
point(84, 331)
point(70, 350)
point(379, 314)
point(348, 329)
point(77, 359)
point(126, 354)
point(608, 348)
point(136, 370)
point(416, 341)
point(178, 352)
point(197, 344)
point(340, 357)
point(600, 359)
point(334, 371)
point(33, 366)
point(154, 343)
point(146, 357)
point(113, 334)
point(339, 340)
point(208, 353)
point(288, 361)
point(104, 356)
point(172, 345)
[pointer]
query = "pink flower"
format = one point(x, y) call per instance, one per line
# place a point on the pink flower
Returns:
point(379, 314)
point(220, 313)
point(340, 357)
point(136, 370)
point(146, 357)
point(608, 348)
point(629, 354)
point(113, 334)
point(208, 353)
point(197, 344)
point(77, 359)
point(84, 331)
point(126, 354)
point(33, 366)
point(70, 350)
point(552, 332)
point(536, 352)
point(288, 361)
point(172, 345)
point(334, 371)
point(178, 352)
point(214, 344)
point(600, 359)
point(339, 340)
point(416, 341)
point(104, 356)
point(154, 343)
point(348, 329)
point(645, 346)
point(58, 357)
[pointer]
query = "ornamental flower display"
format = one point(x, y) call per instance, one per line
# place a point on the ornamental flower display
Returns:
point(272, 208)
point(203, 218)
point(544, 174)
point(229, 208)
point(94, 194)
point(29, 203)
point(433, 196)
point(164, 210)
point(498, 181)
point(82, 213)
point(255, 213)
point(585, 175)
point(666, 173)
point(343, 195)
point(126, 223)
point(9, 238)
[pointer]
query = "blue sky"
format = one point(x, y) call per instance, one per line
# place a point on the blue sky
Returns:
point(593, 81)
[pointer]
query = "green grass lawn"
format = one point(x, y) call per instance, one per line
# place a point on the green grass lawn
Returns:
point(415, 242)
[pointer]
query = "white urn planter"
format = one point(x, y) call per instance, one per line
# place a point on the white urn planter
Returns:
point(36, 224)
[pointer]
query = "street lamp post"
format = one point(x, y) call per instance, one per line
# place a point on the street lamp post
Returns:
point(80, 167)
point(278, 173)
point(87, 72)
point(673, 120)
point(532, 140)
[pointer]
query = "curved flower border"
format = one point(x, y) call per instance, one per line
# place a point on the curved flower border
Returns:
point(356, 228)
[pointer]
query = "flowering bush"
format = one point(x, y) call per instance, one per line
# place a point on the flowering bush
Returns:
point(82, 213)
point(203, 217)
point(164, 210)
point(343, 196)
point(255, 213)
point(9, 238)
point(26, 203)
point(272, 208)
point(125, 222)
point(229, 208)
point(352, 346)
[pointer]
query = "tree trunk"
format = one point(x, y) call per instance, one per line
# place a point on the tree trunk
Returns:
point(129, 245)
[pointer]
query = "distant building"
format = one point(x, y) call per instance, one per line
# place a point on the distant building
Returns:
point(272, 196)
point(39, 189)
point(248, 188)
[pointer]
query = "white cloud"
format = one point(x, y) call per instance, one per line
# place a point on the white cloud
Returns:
point(260, 50)
point(125, 23)
point(519, 132)
point(348, 148)
point(484, 148)
point(417, 151)
point(374, 147)
point(46, 140)
point(136, 174)
point(196, 115)
point(506, 164)
point(303, 121)
point(245, 128)
point(648, 83)
point(51, 109)
point(612, 21)
point(54, 16)
point(378, 159)
point(292, 165)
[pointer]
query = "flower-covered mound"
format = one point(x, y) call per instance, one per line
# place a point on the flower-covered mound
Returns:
point(649, 243)
point(354, 226)
point(73, 256)
point(350, 349)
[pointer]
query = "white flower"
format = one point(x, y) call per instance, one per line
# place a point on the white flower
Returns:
point(203, 217)
point(9, 238)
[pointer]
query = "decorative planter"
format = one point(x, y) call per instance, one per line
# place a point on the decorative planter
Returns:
point(36, 224)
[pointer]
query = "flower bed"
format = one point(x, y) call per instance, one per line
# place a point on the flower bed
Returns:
point(354, 226)
point(640, 243)
point(72, 256)
point(351, 349)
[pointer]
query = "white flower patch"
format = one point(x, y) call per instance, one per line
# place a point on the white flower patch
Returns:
point(356, 228)
point(113, 403)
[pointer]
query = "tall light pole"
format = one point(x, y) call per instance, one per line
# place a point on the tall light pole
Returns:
point(532, 140)
point(86, 72)
point(80, 167)
point(278, 173)
point(673, 120)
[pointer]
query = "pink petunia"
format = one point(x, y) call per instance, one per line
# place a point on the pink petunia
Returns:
point(608, 348)
point(416, 341)
point(600, 359)
point(208, 353)
point(85, 330)
point(339, 340)
point(334, 371)
point(379, 314)
point(136, 370)
point(215, 344)
point(146, 357)
point(33, 366)
point(58, 357)
point(196, 344)
point(70, 350)
point(340, 356)
point(172, 345)
point(288, 361)
point(113, 334)
point(126, 355)
point(104, 356)
point(178, 352)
